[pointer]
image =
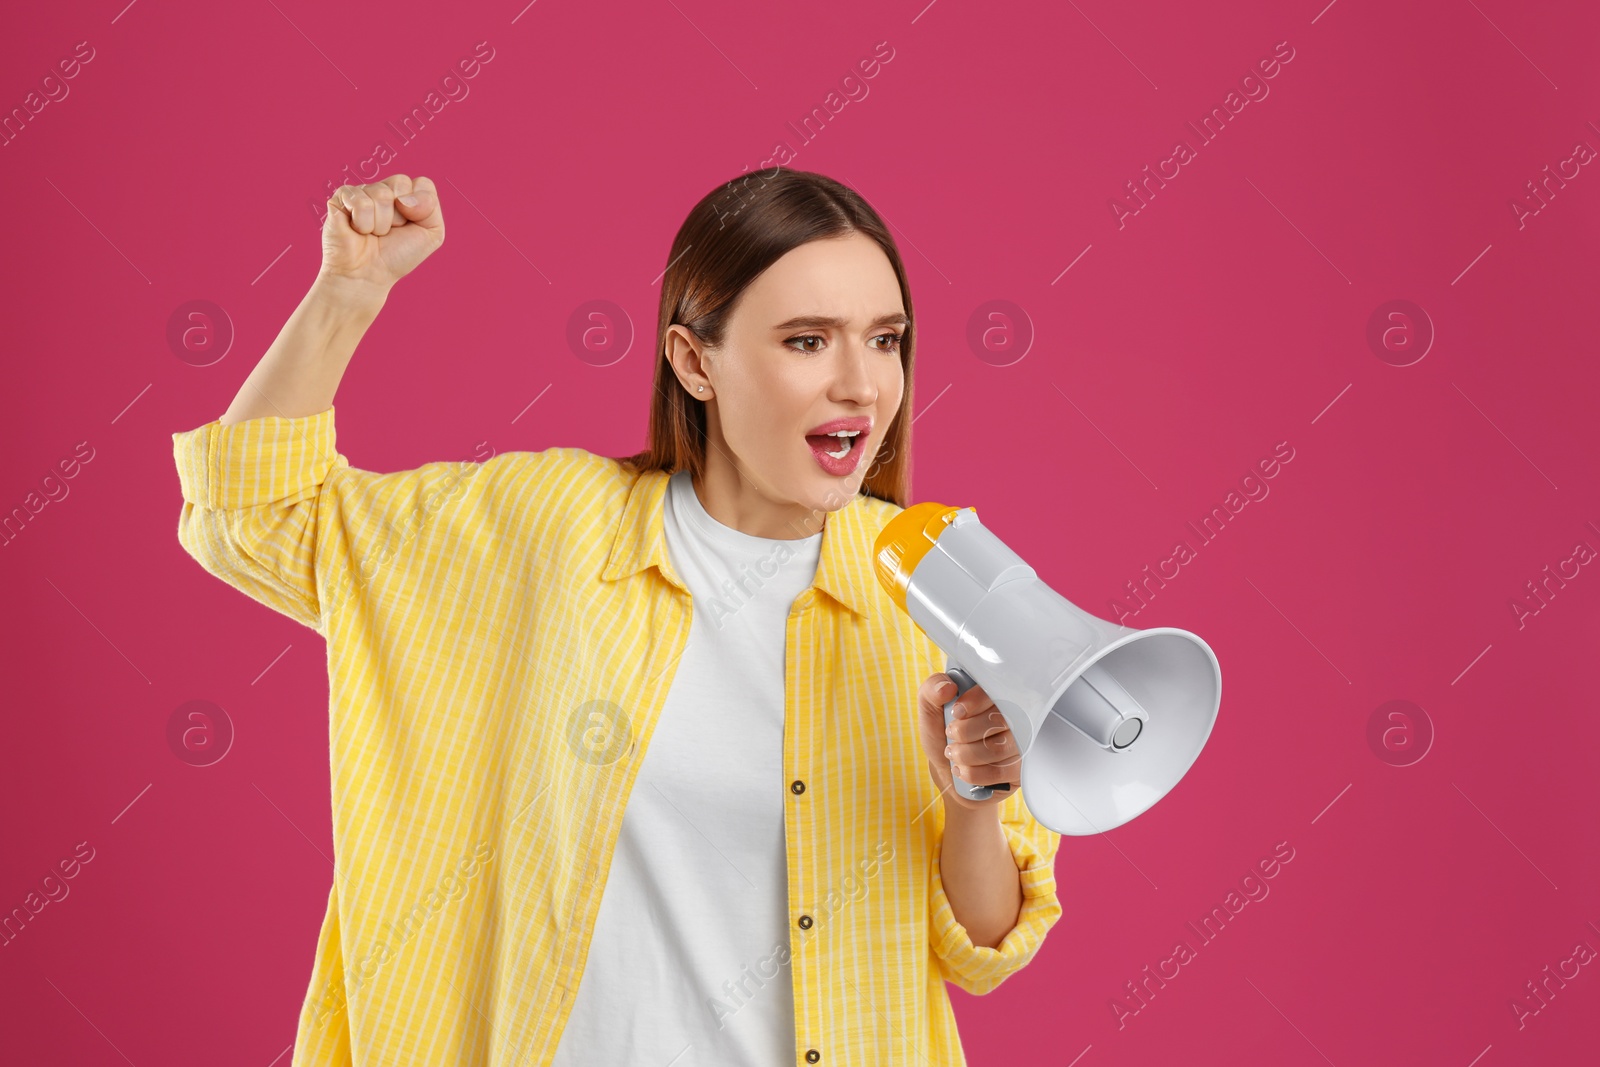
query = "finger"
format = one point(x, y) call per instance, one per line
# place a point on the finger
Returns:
point(977, 727)
point(414, 206)
point(939, 689)
point(985, 773)
point(338, 220)
point(935, 690)
point(383, 215)
point(356, 202)
point(971, 775)
point(972, 702)
point(349, 197)
point(339, 199)
point(401, 185)
point(421, 205)
point(1000, 748)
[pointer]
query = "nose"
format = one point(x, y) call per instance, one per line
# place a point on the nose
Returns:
point(853, 379)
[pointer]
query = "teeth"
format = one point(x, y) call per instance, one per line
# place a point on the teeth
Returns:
point(847, 439)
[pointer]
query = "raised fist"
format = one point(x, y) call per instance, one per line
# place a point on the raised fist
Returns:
point(378, 233)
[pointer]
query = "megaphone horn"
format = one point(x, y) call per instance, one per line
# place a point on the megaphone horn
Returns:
point(1108, 718)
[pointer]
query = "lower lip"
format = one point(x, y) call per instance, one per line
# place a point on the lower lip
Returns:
point(844, 465)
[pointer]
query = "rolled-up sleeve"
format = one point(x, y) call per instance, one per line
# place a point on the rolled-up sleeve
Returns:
point(251, 494)
point(978, 968)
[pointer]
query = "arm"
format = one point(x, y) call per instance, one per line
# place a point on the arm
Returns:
point(253, 480)
point(992, 895)
point(260, 507)
point(980, 876)
point(978, 967)
point(300, 373)
point(370, 240)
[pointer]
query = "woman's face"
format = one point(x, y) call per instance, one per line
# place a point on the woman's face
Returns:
point(813, 344)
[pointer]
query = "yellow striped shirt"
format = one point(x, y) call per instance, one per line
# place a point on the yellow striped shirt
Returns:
point(501, 637)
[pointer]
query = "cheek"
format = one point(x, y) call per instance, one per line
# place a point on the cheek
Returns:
point(891, 389)
point(762, 413)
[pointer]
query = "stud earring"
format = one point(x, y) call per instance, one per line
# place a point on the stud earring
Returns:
point(699, 388)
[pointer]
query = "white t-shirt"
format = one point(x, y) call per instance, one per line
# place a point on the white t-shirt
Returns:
point(694, 914)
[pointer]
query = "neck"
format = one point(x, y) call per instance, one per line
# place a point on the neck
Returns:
point(737, 502)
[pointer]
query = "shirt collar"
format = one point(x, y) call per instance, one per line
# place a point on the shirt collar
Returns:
point(844, 563)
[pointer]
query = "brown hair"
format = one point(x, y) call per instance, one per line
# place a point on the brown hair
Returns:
point(733, 234)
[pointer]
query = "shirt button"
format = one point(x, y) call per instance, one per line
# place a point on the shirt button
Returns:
point(812, 1055)
point(805, 924)
point(797, 786)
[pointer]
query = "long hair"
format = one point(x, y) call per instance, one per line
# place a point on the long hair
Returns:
point(733, 234)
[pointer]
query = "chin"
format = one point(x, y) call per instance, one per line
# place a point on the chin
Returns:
point(831, 494)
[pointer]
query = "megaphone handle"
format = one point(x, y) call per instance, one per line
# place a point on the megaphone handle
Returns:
point(964, 681)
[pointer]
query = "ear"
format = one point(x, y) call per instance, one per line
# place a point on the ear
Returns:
point(687, 355)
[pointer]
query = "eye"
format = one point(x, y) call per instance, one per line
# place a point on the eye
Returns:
point(895, 338)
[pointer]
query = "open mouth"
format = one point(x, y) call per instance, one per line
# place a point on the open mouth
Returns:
point(839, 451)
point(836, 445)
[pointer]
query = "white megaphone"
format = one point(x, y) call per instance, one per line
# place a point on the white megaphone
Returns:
point(1108, 718)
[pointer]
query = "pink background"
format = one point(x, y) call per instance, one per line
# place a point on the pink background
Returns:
point(1228, 315)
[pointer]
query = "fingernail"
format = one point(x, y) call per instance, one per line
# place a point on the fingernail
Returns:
point(958, 710)
point(408, 200)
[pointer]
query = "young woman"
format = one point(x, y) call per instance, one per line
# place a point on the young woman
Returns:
point(633, 760)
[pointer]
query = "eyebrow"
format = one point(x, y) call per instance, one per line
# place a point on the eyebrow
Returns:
point(803, 322)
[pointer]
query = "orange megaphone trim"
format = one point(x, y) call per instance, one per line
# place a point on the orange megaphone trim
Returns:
point(904, 540)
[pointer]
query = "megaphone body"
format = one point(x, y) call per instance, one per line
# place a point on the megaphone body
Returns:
point(1108, 718)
